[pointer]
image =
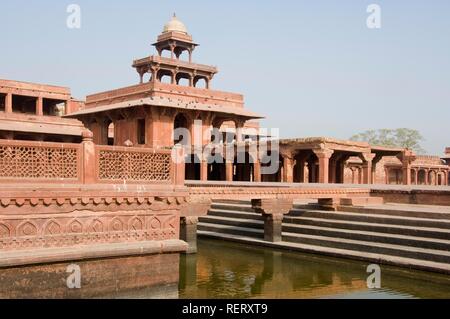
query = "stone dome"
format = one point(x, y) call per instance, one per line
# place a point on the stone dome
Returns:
point(175, 25)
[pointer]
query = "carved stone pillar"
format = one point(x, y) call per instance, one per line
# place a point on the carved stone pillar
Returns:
point(272, 211)
point(239, 130)
point(190, 213)
point(324, 161)
point(188, 232)
point(8, 103)
point(367, 159)
point(229, 165)
point(288, 169)
point(203, 170)
point(407, 157)
point(89, 160)
point(39, 106)
point(257, 171)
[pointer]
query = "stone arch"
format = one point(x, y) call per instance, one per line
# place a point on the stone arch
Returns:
point(97, 226)
point(201, 82)
point(52, 227)
point(192, 167)
point(164, 76)
point(136, 224)
point(181, 121)
point(75, 227)
point(266, 161)
point(5, 230)
point(183, 79)
point(116, 225)
point(243, 168)
point(421, 177)
point(27, 228)
point(432, 177)
point(216, 168)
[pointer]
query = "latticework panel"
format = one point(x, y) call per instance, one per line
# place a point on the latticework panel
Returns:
point(133, 166)
point(38, 162)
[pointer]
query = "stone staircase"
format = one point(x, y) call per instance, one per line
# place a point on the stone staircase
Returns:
point(410, 238)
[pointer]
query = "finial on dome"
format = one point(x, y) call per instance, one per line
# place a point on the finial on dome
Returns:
point(175, 25)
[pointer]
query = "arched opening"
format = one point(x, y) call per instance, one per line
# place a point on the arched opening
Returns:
point(439, 179)
point(243, 168)
point(111, 134)
point(432, 178)
point(182, 53)
point(180, 129)
point(146, 77)
point(421, 177)
point(216, 168)
point(271, 172)
point(395, 176)
point(166, 53)
point(304, 170)
point(228, 131)
point(183, 79)
point(413, 177)
point(192, 167)
point(200, 82)
point(164, 76)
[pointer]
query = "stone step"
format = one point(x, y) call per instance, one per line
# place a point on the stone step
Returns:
point(231, 230)
point(336, 252)
point(428, 232)
point(239, 222)
point(373, 218)
point(234, 214)
point(435, 255)
point(233, 206)
point(395, 239)
point(399, 211)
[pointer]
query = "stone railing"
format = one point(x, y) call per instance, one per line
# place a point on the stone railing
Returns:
point(137, 165)
point(86, 163)
point(25, 161)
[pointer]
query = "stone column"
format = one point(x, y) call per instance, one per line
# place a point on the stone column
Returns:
point(39, 106)
point(257, 171)
point(190, 213)
point(188, 232)
point(229, 165)
point(288, 169)
point(324, 156)
point(427, 176)
point(239, 130)
point(367, 167)
point(8, 103)
point(407, 157)
point(88, 157)
point(332, 175)
point(203, 170)
point(272, 211)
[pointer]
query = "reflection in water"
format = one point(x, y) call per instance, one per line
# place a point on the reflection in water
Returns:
point(229, 270)
point(220, 270)
point(153, 276)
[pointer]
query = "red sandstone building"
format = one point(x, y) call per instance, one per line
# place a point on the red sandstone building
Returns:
point(175, 92)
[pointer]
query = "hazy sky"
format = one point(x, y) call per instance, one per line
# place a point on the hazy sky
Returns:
point(312, 67)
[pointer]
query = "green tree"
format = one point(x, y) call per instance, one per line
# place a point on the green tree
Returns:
point(401, 137)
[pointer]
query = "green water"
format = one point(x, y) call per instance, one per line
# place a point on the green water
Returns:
point(220, 270)
point(228, 270)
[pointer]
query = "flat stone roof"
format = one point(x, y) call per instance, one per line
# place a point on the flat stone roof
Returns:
point(166, 102)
